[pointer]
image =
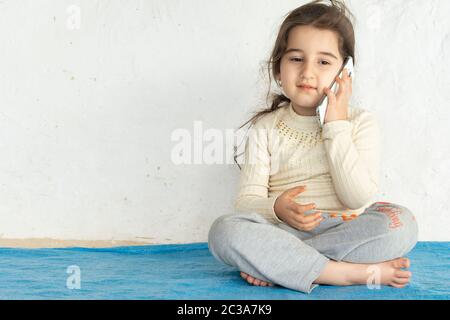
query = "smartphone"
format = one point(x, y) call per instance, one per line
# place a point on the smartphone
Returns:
point(321, 109)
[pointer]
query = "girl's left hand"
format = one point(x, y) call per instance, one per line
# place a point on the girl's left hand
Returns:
point(338, 103)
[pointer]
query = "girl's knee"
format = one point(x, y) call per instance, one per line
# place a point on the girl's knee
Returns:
point(227, 228)
point(218, 236)
point(392, 232)
point(404, 220)
point(396, 216)
point(227, 225)
point(410, 230)
point(227, 232)
point(402, 228)
point(219, 229)
point(395, 227)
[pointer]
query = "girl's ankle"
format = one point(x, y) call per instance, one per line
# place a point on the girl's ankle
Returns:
point(356, 274)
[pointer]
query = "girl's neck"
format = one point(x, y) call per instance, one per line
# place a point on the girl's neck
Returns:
point(302, 111)
point(301, 122)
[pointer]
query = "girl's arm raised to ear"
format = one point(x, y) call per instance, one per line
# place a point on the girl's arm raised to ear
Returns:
point(354, 158)
point(254, 180)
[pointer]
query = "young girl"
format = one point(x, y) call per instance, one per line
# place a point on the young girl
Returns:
point(305, 190)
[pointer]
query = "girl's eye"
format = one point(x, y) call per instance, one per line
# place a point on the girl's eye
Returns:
point(299, 59)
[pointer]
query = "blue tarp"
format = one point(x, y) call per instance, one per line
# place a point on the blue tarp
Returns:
point(185, 271)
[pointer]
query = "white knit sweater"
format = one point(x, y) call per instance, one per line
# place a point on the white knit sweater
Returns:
point(339, 163)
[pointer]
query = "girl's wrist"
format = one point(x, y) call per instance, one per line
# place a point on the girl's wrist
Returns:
point(275, 206)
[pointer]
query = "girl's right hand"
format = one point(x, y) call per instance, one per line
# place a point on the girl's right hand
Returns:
point(292, 213)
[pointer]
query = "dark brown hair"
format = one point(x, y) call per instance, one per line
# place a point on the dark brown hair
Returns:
point(331, 16)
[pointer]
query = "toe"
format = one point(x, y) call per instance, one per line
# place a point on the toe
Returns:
point(267, 284)
point(254, 281)
point(402, 274)
point(401, 281)
point(395, 285)
point(406, 263)
point(398, 263)
point(402, 263)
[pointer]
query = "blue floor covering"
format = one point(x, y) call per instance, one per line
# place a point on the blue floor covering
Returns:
point(186, 271)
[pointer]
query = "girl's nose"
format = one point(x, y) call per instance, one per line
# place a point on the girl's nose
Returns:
point(307, 72)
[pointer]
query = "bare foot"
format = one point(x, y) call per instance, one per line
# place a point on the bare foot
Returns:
point(390, 273)
point(344, 273)
point(255, 281)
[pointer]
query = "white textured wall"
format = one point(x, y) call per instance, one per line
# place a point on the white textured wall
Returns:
point(86, 115)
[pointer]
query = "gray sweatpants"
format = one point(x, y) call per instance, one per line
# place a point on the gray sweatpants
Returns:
point(294, 259)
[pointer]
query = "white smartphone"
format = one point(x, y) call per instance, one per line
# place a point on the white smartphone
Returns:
point(321, 110)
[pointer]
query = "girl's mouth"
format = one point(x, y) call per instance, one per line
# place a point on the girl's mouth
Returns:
point(306, 88)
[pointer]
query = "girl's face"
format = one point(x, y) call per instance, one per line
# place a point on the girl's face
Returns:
point(312, 57)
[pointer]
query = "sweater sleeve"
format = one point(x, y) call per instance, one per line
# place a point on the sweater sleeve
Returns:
point(353, 158)
point(255, 173)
